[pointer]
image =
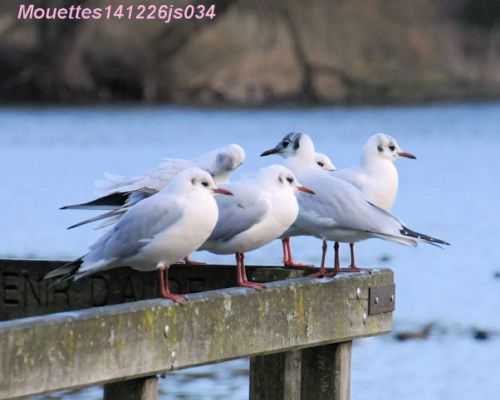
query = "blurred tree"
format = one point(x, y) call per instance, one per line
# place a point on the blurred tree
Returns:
point(167, 44)
point(256, 52)
point(54, 71)
point(482, 14)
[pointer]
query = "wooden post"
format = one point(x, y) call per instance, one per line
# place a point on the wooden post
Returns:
point(134, 389)
point(275, 376)
point(326, 372)
point(316, 373)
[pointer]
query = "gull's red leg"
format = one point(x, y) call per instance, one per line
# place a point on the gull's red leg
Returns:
point(323, 256)
point(286, 258)
point(288, 261)
point(322, 272)
point(164, 291)
point(239, 275)
point(353, 267)
point(336, 266)
point(188, 261)
point(242, 275)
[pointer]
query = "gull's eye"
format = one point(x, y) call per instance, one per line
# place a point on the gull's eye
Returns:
point(321, 164)
point(290, 180)
point(286, 143)
point(380, 148)
point(392, 147)
point(204, 183)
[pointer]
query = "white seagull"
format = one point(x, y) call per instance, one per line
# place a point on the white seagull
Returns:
point(122, 192)
point(376, 176)
point(339, 212)
point(325, 163)
point(155, 233)
point(261, 209)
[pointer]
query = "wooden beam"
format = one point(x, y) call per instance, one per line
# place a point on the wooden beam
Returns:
point(133, 340)
point(24, 292)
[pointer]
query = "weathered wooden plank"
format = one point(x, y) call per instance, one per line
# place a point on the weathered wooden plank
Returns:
point(24, 292)
point(131, 340)
point(133, 389)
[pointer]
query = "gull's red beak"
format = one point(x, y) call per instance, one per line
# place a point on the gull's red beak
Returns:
point(305, 190)
point(222, 191)
point(407, 155)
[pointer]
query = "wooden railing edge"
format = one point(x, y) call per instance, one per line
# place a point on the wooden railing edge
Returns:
point(126, 341)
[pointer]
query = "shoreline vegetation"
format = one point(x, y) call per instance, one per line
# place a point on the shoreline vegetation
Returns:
point(255, 54)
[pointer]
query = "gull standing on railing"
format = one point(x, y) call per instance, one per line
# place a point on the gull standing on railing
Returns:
point(325, 163)
point(376, 176)
point(122, 192)
point(339, 212)
point(155, 233)
point(261, 209)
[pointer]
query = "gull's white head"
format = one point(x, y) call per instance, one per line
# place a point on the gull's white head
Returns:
point(324, 162)
point(297, 147)
point(385, 147)
point(279, 177)
point(194, 180)
point(227, 159)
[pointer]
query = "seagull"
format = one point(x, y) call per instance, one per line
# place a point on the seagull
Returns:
point(122, 192)
point(261, 209)
point(155, 233)
point(376, 176)
point(339, 212)
point(325, 163)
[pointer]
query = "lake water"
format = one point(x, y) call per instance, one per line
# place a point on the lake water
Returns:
point(50, 157)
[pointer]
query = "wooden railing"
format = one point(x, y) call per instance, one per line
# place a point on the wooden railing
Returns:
point(111, 330)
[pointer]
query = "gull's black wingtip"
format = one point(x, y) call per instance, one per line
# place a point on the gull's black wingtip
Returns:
point(426, 238)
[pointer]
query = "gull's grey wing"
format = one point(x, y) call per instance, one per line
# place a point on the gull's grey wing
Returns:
point(164, 172)
point(114, 215)
point(107, 215)
point(340, 204)
point(235, 218)
point(135, 230)
point(156, 179)
point(113, 200)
